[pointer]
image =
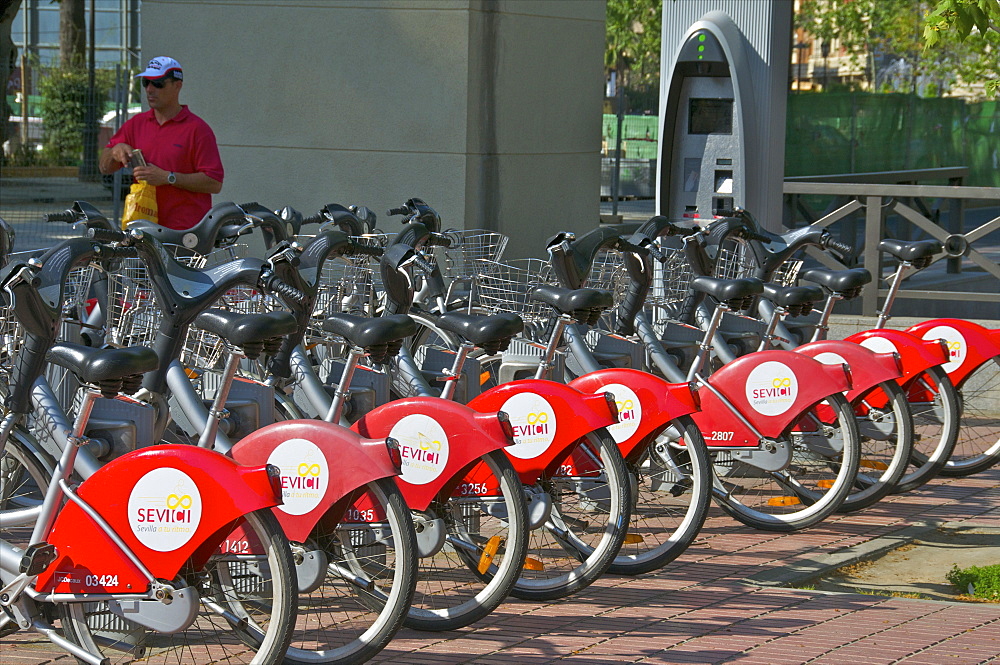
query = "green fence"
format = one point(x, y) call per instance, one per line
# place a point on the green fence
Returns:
point(857, 132)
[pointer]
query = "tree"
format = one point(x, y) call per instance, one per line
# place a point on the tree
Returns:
point(632, 42)
point(8, 59)
point(72, 33)
point(975, 23)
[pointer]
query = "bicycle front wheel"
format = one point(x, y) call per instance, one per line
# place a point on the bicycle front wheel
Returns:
point(934, 403)
point(978, 445)
point(818, 463)
point(467, 575)
point(356, 579)
point(885, 425)
point(581, 513)
point(246, 610)
point(672, 481)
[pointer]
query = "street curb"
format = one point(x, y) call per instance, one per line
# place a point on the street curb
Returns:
point(809, 569)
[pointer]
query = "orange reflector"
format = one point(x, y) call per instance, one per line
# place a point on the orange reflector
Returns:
point(784, 501)
point(489, 552)
point(874, 464)
point(483, 377)
point(192, 373)
point(633, 539)
point(533, 564)
point(826, 483)
point(310, 347)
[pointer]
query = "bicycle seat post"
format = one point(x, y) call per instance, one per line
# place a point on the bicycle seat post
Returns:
point(344, 387)
point(705, 347)
point(547, 361)
point(823, 325)
point(218, 410)
point(897, 282)
point(451, 376)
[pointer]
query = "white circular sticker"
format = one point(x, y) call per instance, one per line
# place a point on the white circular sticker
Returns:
point(534, 423)
point(828, 358)
point(629, 411)
point(423, 446)
point(879, 345)
point(164, 509)
point(955, 341)
point(771, 388)
point(304, 475)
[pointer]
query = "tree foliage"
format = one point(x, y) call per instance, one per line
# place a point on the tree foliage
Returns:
point(64, 98)
point(632, 42)
point(974, 23)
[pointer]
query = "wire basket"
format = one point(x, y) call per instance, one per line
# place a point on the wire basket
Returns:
point(506, 287)
point(469, 248)
point(734, 259)
point(672, 278)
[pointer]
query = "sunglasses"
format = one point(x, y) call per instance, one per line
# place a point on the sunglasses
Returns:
point(156, 83)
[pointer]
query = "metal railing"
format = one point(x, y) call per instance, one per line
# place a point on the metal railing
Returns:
point(945, 218)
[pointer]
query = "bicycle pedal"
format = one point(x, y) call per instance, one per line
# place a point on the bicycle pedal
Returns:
point(37, 558)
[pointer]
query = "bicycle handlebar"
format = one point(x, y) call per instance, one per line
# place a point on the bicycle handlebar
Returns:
point(402, 210)
point(438, 239)
point(107, 235)
point(274, 284)
point(67, 216)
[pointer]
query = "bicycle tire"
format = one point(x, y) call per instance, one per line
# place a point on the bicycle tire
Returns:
point(978, 444)
point(257, 593)
point(885, 425)
point(487, 539)
point(25, 473)
point(935, 405)
point(810, 487)
point(587, 523)
point(672, 494)
point(365, 589)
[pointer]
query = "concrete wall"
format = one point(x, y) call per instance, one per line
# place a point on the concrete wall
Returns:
point(490, 110)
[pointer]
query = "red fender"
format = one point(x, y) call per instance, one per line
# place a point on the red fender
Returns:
point(969, 344)
point(645, 402)
point(868, 369)
point(771, 389)
point(166, 503)
point(320, 463)
point(915, 354)
point(548, 418)
point(437, 439)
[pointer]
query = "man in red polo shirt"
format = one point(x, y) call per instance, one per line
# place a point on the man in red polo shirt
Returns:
point(182, 158)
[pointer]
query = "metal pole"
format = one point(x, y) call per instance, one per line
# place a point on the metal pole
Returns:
point(89, 167)
point(615, 186)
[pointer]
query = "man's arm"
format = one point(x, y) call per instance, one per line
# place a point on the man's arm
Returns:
point(193, 182)
point(114, 158)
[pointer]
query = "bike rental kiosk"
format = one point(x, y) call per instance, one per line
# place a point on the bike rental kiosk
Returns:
point(722, 114)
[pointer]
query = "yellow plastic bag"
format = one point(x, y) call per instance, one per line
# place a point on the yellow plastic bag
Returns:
point(140, 203)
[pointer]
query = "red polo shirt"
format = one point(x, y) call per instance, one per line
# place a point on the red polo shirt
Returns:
point(183, 144)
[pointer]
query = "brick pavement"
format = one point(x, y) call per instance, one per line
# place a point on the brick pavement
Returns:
point(703, 609)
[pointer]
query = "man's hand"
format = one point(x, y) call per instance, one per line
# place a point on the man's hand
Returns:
point(154, 175)
point(115, 157)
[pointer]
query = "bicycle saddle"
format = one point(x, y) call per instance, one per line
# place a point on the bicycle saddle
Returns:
point(846, 283)
point(584, 305)
point(201, 237)
point(738, 294)
point(380, 337)
point(105, 367)
point(797, 300)
point(247, 331)
point(917, 252)
point(492, 333)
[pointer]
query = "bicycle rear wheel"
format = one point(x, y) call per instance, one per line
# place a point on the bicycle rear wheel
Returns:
point(885, 425)
point(672, 481)
point(246, 611)
point(822, 450)
point(581, 513)
point(934, 403)
point(356, 579)
point(468, 575)
point(978, 445)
